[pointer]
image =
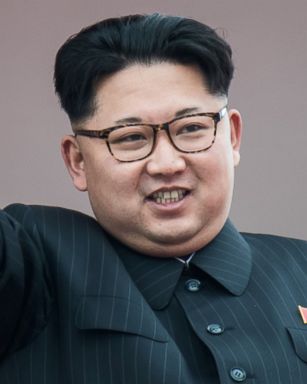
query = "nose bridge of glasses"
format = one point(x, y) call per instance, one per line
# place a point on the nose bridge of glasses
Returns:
point(163, 127)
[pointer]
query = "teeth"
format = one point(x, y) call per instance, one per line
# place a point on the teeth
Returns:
point(175, 195)
point(166, 197)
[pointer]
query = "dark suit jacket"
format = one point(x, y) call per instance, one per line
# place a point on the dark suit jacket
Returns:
point(74, 310)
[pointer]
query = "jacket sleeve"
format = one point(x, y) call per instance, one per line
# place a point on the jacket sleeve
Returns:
point(25, 299)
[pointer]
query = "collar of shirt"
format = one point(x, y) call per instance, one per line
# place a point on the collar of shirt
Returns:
point(227, 259)
point(186, 260)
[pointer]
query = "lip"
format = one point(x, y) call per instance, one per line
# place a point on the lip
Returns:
point(173, 208)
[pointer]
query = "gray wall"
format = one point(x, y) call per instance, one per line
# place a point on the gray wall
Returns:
point(269, 39)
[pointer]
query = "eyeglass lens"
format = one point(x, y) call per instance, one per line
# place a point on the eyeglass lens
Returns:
point(189, 134)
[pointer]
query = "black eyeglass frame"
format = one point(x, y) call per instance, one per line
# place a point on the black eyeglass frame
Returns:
point(104, 133)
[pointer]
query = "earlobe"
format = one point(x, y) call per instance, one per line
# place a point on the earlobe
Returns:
point(74, 161)
point(236, 134)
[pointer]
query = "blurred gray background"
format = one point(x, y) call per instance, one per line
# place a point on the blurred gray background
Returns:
point(269, 40)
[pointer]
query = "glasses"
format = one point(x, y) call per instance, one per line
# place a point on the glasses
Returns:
point(190, 133)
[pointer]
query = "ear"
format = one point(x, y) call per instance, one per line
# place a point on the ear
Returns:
point(236, 134)
point(74, 161)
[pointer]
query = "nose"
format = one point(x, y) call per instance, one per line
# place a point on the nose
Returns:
point(165, 158)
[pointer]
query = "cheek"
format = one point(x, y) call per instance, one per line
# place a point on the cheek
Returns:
point(216, 176)
point(112, 182)
point(217, 166)
point(224, 176)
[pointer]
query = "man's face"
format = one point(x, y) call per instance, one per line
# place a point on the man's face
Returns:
point(121, 194)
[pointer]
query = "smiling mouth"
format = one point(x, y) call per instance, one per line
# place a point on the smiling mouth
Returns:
point(167, 197)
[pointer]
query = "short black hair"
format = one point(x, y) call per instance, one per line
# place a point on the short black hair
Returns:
point(109, 46)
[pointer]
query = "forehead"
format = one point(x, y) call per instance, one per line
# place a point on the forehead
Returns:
point(154, 92)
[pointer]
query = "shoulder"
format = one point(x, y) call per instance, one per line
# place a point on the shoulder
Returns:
point(53, 223)
point(46, 215)
point(21, 211)
point(278, 248)
point(266, 240)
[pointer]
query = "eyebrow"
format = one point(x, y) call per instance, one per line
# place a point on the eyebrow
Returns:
point(133, 120)
point(186, 111)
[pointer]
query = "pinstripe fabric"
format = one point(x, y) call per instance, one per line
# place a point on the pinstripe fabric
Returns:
point(77, 309)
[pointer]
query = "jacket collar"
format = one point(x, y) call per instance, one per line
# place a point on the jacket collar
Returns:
point(227, 259)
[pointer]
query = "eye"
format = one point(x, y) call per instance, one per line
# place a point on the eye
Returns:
point(192, 128)
point(130, 138)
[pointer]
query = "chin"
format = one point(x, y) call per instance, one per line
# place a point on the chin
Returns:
point(172, 237)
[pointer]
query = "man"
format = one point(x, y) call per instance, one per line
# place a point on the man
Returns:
point(163, 289)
